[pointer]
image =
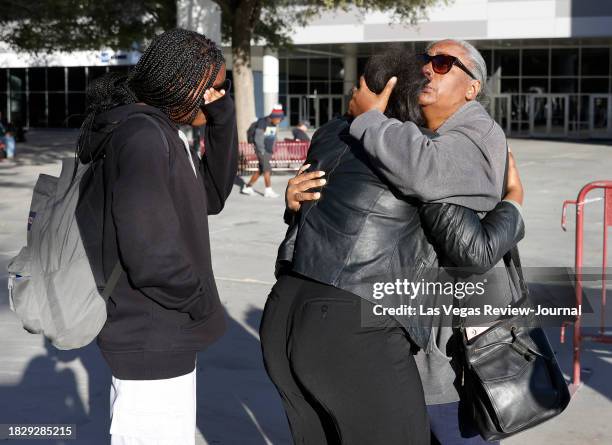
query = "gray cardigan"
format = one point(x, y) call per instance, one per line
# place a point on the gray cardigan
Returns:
point(463, 165)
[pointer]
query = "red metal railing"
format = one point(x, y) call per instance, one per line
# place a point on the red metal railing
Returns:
point(580, 203)
point(286, 156)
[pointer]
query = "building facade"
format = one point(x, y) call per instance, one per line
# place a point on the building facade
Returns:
point(549, 64)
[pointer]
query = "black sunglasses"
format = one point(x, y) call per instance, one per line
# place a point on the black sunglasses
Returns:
point(442, 63)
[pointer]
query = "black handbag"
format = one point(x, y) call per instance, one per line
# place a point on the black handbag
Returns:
point(512, 380)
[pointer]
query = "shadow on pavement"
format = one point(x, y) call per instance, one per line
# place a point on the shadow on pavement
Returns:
point(237, 404)
point(48, 394)
point(236, 401)
point(596, 358)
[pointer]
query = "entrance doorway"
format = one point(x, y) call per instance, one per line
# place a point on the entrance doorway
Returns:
point(502, 111)
point(600, 113)
point(317, 109)
point(548, 115)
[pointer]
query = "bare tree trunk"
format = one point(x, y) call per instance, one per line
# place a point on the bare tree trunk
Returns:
point(244, 88)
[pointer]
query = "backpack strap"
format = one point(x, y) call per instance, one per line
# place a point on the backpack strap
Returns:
point(117, 270)
point(154, 122)
point(112, 280)
point(504, 189)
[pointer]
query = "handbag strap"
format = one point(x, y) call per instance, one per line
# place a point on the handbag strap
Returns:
point(512, 256)
point(112, 280)
point(504, 185)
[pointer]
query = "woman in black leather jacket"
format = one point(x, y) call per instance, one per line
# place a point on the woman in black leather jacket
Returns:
point(345, 374)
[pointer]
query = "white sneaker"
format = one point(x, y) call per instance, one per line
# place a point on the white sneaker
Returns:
point(246, 190)
point(269, 193)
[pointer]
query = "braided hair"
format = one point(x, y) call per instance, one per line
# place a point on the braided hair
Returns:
point(104, 93)
point(169, 74)
point(172, 75)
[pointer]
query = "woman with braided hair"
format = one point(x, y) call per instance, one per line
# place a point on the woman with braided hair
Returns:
point(154, 198)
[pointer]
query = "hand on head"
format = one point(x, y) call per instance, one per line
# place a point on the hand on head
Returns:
point(364, 99)
point(215, 92)
point(211, 95)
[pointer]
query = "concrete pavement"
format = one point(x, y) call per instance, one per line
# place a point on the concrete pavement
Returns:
point(237, 404)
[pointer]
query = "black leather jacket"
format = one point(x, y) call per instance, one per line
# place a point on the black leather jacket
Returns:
point(359, 232)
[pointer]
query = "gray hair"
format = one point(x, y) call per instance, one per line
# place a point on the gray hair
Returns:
point(477, 66)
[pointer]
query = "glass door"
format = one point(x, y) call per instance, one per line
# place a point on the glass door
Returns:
point(502, 111)
point(337, 106)
point(538, 115)
point(599, 116)
point(316, 109)
point(330, 107)
point(548, 115)
point(311, 110)
point(293, 110)
point(558, 110)
point(302, 108)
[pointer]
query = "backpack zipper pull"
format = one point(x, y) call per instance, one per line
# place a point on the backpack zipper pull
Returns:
point(11, 284)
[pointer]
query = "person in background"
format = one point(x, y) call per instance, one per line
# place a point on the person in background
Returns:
point(7, 138)
point(299, 132)
point(9, 142)
point(198, 137)
point(3, 124)
point(265, 137)
point(3, 127)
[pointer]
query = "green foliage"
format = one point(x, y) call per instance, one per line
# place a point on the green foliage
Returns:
point(273, 20)
point(67, 25)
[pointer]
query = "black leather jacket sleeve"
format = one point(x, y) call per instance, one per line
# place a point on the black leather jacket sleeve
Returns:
point(465, 240)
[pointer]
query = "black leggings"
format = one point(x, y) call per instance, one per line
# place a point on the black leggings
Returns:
point(340, 382)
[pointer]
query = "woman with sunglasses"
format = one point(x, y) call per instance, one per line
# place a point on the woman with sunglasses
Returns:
point(463, 164)
point(469, 141)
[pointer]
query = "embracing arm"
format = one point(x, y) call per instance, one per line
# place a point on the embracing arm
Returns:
point(431, 169)
point(466, 240)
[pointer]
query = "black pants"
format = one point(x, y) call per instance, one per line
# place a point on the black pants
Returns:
point(340, 383)
point(450, 426)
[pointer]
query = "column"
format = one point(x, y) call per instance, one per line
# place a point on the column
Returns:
point(270, 80)
point(350, 68)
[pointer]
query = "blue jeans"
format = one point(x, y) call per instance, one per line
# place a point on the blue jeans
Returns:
point(450, 427)
point(9, 142)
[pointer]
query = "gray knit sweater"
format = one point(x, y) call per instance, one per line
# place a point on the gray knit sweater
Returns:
point(463, 165)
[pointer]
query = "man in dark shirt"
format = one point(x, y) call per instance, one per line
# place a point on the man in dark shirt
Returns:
point(299, 132)
point(265, 137)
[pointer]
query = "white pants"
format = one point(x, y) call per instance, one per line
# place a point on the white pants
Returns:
point(153, 412)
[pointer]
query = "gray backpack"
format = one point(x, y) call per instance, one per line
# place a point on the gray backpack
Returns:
point(52, 288)
point(51, 284)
